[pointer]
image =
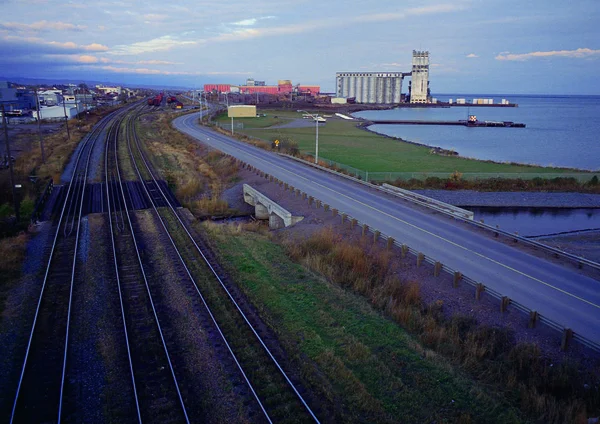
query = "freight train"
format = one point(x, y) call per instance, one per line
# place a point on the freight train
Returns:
point(156, 100)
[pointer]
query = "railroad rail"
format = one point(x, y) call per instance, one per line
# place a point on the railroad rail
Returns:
point(157, 394)
point(39, 393)
point(272, 405)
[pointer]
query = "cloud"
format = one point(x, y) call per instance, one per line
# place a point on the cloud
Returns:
point(143, 71)
point(42, 26)
point(157, 62)
point(245, 22)
point(577, 54)
point(306, 26)
point(154, 17)
point(241, 30)
point(163, 43)
point(245, 30)
point(95, 47)
point(87, 59)
point(140, 62)
point(24, 45)
point(392, 65)
point(147, 71)
point(251, 21)
point(471, 55)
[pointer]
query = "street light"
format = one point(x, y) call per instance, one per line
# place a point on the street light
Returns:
point(316, 119)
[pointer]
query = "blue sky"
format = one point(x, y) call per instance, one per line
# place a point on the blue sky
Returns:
point(476, 46)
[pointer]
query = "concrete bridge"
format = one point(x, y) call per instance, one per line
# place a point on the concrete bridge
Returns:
point(265, 208)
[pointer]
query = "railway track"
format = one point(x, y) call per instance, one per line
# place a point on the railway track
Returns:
point(155, 358)
point(277, 395)
point(40, 388)
point(158, 397)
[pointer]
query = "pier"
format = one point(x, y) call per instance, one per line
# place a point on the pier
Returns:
point(464, 123)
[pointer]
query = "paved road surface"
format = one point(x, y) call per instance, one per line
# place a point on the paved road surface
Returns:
point(558, 293)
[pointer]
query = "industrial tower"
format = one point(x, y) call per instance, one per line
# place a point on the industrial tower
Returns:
point(420, 77)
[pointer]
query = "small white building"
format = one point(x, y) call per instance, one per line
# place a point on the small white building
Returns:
point(105, 90)
point(56, 112)
point(50, 97)
point(339, 100)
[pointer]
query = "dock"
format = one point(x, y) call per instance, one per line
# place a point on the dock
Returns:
point(464, 123)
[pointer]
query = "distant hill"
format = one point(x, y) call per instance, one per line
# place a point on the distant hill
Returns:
point(91, 83)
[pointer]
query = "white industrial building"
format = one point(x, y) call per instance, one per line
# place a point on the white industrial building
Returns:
point(370, 87)
point(419, 77)
point(57, 112)
point(386, 87)
point(50, 97)
point(105, 90)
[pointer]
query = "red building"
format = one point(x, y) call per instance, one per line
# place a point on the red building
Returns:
point(266, 89)
point(284, 89)
point(309, 89)
point(219, 88)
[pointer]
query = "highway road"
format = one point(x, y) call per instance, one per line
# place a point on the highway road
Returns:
point(558, 293)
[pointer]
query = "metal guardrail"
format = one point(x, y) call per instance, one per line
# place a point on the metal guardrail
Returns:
point(496, 295)
point(41, 202)
point(470, 176)
point(553, 250)
point(428, 201)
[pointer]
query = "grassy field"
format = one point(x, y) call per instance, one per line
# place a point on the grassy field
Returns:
point(342, 142)
point(367, 367)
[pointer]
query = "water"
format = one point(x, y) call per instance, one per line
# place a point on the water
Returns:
point(539, 221)
point(561, 131)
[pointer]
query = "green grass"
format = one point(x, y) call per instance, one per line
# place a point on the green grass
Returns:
point(261, 122)
point(354, 358)
point(341, 141)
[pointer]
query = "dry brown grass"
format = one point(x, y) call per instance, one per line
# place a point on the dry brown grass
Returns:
point(57, 148)
point(455, 182)
point(197, 175)
point(12, 252)
point(551, 393)
point(58, 151)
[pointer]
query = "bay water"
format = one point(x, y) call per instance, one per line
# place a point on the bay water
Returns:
point(561, 131)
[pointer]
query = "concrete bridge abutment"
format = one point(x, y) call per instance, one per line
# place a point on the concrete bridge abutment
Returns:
point(265, 208)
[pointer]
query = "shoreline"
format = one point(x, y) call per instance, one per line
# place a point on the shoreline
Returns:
point(514, 199)
point(364, 125)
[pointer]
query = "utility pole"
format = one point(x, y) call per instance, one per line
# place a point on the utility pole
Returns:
point(84, 104)
point(39, 122)
point(10, 165)
point(66, 119)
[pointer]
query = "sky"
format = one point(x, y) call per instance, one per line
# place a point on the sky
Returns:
point(476, 46)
